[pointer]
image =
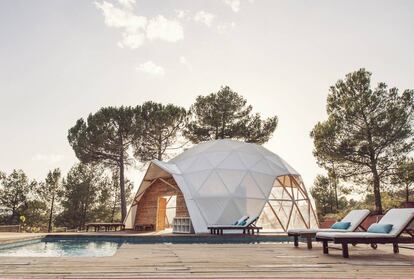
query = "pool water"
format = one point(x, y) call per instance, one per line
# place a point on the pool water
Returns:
point(60, 248)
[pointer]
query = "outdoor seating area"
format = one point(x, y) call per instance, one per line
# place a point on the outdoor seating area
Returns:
point(277, 260)
point(105, 226)
point(389, 230)
point(245, 224)
point(354, 217)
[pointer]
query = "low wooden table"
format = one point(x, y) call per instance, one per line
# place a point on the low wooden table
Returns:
point(105, 226)
point(144, 227)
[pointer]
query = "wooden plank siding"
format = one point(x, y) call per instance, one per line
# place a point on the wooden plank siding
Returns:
point(148, 204)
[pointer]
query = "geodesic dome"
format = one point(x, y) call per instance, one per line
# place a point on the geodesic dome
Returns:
point(222, 180)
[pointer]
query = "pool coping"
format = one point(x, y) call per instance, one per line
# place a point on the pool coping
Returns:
point(178, 238)
point(154, 239)
point(20, 239)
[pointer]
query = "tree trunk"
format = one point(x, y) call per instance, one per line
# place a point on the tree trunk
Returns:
point(336, 197)
point(113, 210)
point(159, 151)
point(122, 186)
point(377, 192)
point(407, 193)
point(49, 227)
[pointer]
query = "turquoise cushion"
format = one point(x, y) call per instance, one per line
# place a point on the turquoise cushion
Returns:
point(341, 225)
point(380, 228)
point(242, 223)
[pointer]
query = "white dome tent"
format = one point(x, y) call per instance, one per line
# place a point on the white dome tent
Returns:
point(222, 180)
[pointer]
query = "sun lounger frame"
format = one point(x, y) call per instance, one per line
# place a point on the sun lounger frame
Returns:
point(344, 241)
point(249, 228)
point(310, 235)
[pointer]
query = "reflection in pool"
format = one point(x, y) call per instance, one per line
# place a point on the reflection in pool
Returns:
point(60, 248)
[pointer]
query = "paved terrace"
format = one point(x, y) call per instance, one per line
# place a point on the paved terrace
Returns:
point(264, 260)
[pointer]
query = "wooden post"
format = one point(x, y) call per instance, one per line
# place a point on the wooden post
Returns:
point(325, 247)
point(309, 240)
point(395, 248)
point(345, 252)
point(296, 240)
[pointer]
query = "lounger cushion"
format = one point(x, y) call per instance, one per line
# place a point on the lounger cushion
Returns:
point(243, 223)
point(380, 228)
point(341, 225)
point(332, 235)
point(310, 231)
point(399, 218)
point(355, 217)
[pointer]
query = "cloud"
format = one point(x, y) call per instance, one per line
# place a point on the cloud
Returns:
point(136, 29)
point(185, 62)
point(204, 17)
point(223, 28)
point(151, 68)
point(233, 4)
point(47, 158)
point(182, 14)
point(128, 4)
point(164, 29)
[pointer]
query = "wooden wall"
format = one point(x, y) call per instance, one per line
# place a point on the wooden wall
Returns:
point(147, 205)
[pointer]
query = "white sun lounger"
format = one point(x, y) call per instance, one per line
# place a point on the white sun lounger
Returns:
point(243, 218)
point(249, 227)
point(401, 219)
point(355, 217)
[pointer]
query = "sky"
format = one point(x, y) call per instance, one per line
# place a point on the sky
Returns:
point(63, 59)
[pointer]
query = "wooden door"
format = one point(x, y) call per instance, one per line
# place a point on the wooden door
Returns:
point(161, 213)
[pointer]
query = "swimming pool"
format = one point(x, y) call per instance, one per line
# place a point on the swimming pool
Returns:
point(55, 247)
point(105, 246)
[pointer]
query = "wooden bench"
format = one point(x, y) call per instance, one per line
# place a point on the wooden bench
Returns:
point(10, 228)
point(144, 227)
point(105, 226)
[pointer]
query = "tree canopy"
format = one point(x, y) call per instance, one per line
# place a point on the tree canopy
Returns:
point(15, 192)
point(225, 114)
point(162, 125)
point(87, 196)
point(105, 138)
point(368, 131)
point(404, 176)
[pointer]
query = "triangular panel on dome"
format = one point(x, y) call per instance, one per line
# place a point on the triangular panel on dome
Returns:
point(296, 220)
point(248, 188)
point(197, 219)
point(269, 220)
point(215, 158)
point(196, 179)
point(230, 213)
point(183, 185)
point(263, 181)
point(232, 162)
point(213, 186)
point(250, 207)
point(232, 178)
point(250, 159)
point(185, 164)
point(277, 166)
point(220, 145)
point(211, 208)
point(201, 163)
point(283, 211)
point(263, 167)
